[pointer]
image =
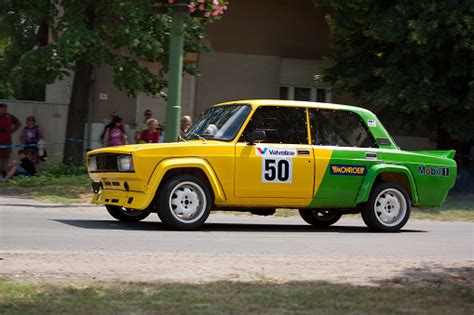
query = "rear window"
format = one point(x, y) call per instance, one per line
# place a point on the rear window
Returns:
point(339, 128)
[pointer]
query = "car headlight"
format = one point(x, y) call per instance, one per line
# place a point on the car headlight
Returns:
point(125, 163)
point(92, 165)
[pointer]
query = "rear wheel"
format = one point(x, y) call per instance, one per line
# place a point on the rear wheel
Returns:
point(388, 208)
point(127, 214)
point(184, 202)
point(320, 217)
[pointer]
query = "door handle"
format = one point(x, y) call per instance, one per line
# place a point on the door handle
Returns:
point(371, 155)
point(302, 151)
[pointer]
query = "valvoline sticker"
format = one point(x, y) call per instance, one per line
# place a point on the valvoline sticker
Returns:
point(268, 151)
point(344, 169)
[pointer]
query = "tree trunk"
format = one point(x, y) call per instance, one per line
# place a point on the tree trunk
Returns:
point(77, 115)
point(79, 105)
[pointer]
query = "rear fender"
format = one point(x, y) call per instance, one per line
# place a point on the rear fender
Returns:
point(374, 171)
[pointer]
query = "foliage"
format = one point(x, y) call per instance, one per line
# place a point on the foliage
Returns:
point(17, 36)
point(413, 57)
point(120, 34)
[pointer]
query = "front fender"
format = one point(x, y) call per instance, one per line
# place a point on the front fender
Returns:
point(374, 171)
point(186, 162)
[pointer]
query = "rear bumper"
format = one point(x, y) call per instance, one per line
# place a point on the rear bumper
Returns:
point(127, 199)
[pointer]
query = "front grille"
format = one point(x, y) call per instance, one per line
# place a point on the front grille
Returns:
point(106, 163)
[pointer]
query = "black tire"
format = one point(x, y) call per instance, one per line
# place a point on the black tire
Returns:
point(320, 217)
point(127, 214)
point(184, 202)
point(388, 208)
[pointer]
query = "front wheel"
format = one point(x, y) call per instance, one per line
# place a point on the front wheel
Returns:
point(320, 218)
point(388, 208)
point(127, 214)
point(184, 202)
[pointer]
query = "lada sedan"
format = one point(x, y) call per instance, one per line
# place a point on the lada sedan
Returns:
point(323, 160)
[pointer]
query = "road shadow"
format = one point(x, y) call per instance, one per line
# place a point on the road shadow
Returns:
point(219, 227)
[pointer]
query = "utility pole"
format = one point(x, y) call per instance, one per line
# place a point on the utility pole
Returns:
point(173, 107)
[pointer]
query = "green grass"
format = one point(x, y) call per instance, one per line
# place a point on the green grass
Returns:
point(60, 189)
point(231, 298)
point(55, 182)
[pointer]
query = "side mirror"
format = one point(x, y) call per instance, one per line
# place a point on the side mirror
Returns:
point(255, 136)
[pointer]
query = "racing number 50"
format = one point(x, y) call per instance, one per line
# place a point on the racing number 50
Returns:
point(277, 170)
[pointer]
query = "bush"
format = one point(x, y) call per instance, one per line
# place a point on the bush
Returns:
point(54, 174)
point(63, 170)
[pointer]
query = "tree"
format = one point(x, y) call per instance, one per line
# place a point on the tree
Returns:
point(18, 32)
point(413, 57)
point(92, 33)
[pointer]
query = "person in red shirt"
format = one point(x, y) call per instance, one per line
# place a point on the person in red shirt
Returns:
point(152, 134)
point(8, 125)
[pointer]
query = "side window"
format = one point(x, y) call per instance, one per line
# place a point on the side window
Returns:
point(339, 128)
point(281, 124)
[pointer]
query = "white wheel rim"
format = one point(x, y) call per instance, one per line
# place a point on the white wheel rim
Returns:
point(187, 202)
point(324, 215)
point(130, 212)
point(390, 207)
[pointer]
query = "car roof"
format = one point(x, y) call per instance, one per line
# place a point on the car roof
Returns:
point(268, 102)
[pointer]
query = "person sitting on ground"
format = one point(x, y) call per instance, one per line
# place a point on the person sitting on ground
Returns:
point(24, 167)
point(114, 135)
point(152, 134)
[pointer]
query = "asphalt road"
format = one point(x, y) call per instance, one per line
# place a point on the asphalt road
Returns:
point(46, 239)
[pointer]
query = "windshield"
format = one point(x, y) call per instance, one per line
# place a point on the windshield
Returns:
point(219, 123)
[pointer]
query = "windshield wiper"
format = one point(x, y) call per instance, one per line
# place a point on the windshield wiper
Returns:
point(182, 139)
point(199, 137)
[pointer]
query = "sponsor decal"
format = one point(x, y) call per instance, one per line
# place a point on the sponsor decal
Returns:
point(433, 170)
point(343, 169)
point(278, 170)
point(371, 123)
point(266, 151)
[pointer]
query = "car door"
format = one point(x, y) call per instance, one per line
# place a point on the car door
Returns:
point(282, 165)
point(344, 150)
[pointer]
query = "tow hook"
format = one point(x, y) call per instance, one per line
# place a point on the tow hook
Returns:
point(96, 187)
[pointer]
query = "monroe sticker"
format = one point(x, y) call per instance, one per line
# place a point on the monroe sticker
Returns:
point(351, 170)
point(371, 123)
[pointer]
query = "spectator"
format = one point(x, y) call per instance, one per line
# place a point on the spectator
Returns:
point(152, 134)
point(114, 134)
point(24, 167)
point(186, 123)
point(112, 116)
point(31, 135)
point(142, 125)
point(8, 125)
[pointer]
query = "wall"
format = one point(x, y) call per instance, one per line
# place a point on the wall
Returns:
point(227, 77)
point(50, 117)
point(287, 28)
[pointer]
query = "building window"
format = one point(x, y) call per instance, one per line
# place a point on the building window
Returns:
point(301, 93)
point(284, 93)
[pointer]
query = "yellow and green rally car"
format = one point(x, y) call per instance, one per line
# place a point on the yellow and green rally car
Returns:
point(257, 155)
